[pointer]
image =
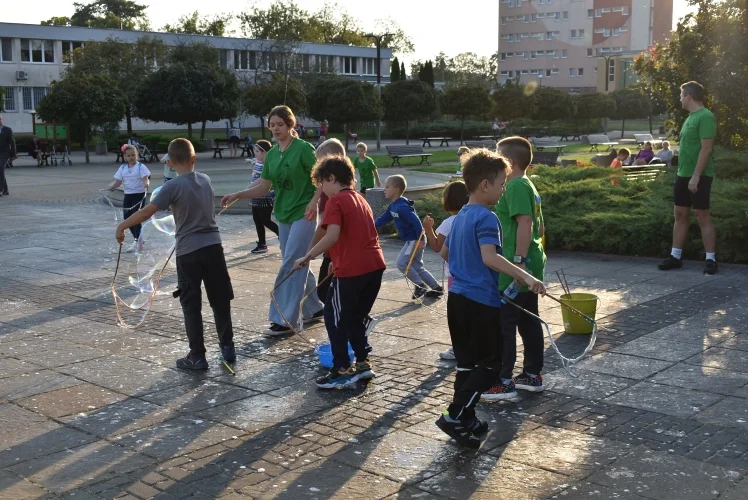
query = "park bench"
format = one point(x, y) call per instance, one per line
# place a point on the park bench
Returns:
point(217, 148)
point(398, 152)
point(643, 172)
point(120, 155)
point(544, 158)
point(434, 136)
point(575, 136)
point(491, 145)
point(642, 139)
point(247, 149)
point(541, 144)
point(596, 140)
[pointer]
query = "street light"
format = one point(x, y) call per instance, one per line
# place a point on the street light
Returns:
point(607, 82)
point(378, 39)
point(540, 79)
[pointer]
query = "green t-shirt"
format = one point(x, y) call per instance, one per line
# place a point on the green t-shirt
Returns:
point(290, 173)
point(366, 170)
point(521, 198)
point(699, 125)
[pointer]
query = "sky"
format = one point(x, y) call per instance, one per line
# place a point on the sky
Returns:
point(433, 29)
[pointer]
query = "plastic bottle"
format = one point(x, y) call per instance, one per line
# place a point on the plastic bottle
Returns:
point(511, 292)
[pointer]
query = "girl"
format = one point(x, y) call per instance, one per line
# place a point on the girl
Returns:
point(234, 140)
point(455, 197)
point(262, 208)
point(136, 177)
point(287, 169)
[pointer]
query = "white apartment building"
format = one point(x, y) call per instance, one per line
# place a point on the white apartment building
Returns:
point(32, 56)
point(559, 43)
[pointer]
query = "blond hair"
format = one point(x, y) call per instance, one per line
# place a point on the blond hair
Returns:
point(398, 182)
point(180, 151)
point(362, 146)
point(331, 147)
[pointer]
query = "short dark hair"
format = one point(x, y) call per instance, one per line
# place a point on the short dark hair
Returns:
point(180, 151)
point(624, 151)
point(455, 196)
point(264, 145)
point(483, 165)
point(695, 90)
point(338, 166)
point(517, 149)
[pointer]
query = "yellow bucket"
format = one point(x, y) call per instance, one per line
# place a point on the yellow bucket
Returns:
point(585, 303)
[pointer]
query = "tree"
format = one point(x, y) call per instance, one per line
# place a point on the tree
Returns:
point(260, 98)
point(395, 71)
point(631, 104)
point(399, 41)
point(594, 105)
point(215, 25)
point(425, 72)
point(187, 93)
point(512, 101)
point(466, 68)
point(551, 105)
point(464, 102)
point(109, 14)
point(408, 100)
point(342, 100)
point(403, 75)
point(94, 102)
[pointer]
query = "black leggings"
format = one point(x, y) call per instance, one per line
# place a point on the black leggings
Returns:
point(261, 216)
point(131, 204)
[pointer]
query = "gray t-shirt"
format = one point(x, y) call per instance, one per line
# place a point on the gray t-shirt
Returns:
point(191, 199)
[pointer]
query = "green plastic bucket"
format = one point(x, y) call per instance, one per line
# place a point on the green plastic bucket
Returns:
point(585, 303)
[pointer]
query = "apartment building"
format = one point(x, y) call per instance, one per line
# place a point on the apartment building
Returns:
point(566, 43)
point(33, 56)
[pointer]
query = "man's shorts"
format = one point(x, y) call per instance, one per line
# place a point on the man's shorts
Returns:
point(698, 200)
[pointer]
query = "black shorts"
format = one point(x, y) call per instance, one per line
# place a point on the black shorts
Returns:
point(234, 140)
point(698, 200)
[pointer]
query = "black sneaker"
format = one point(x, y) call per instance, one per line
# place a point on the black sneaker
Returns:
point(435, 292)
point(479, 427)
point(276, 330)
point(260, 249)
point(419, 292)
point(193, 362)
point(670, 263)
point(229, 353)
point(318, 316)
point(364, 370)
point(710, 267)
point(338, 379)
point(459, 431)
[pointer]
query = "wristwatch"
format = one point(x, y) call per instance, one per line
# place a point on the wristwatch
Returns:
point(518, 259)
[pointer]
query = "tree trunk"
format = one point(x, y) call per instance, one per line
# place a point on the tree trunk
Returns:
point(189, 131)
point(462, 131)
point(202, 130)
point(128, 115)
point(345, 131)
point(650, 125)
point(407, 136)
point(623, 127)
point(85, 143)
point(262, 126)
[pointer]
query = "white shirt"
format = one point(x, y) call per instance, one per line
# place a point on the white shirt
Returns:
point(444, 228)
point(132, 177)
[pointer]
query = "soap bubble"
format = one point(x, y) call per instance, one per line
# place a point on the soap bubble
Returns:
point(531, 88)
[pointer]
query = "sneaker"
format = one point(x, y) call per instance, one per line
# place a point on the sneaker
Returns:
point(670, 263)
point(318, 316)
point(501, 391)
point(260, 249)
point(449, 354)
point(370, 323)
point(364, 370)
point(710, 267)
point(460, 431)
point(419, 292)
point(435, 292)
point(228, 353)
point(528, 383)
point(132, 247)
point(479, 427)
point(193, 362)
point(338, 379)
point(276, 330)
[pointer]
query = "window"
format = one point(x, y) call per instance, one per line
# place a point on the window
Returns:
point(555, 71)
point(241, 60)
point(533, 54)
point(606, 10)
point(590, 52)
point(565, 15)
point(10, 98)
point(564, 53)
point(547, 72)
point(625, 11)
point(572, 72)
point(504, 73)
point(38, 51)
point(32, 96)
point(223, 58)
point(326, 64)
point(6, 50)
point(611, 70)
point(533, 18)
point(616, 31)
point(581, 33)
point(580, 71)
point(590, 12)
point(511, 74)
point(350, 65)
point(607, 32)
point(67, 50)
point(503, 56)
point(524, 71)
point(370, 66)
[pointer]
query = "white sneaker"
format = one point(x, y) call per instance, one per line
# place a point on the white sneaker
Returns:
point(132, 247)
point(449, 354)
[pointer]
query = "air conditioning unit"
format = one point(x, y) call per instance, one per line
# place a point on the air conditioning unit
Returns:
point(22, 75)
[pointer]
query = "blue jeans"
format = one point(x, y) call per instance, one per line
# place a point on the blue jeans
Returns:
point(295, 239)
point(417, 273)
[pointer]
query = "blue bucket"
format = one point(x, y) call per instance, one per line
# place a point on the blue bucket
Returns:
point(324, 353)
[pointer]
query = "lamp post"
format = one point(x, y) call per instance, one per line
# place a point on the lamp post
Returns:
point(378, 39)
point(540, 79)
point(607, 82)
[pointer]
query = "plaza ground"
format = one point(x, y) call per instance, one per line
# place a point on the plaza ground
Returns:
point(658, 409)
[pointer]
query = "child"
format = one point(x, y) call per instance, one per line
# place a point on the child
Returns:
point(665, 155)
point(135, 177)
point(367, 170)
point(521, 217)
point(199, 253)
point(352, 240)
point(262, 208)
point(474, 303)
point(623, 154)
point(409, 229)
point(454, 198)
point(462, 150)
point(169, 173)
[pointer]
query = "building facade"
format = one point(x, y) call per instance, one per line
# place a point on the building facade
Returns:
point(566, 43)
point(32, 57)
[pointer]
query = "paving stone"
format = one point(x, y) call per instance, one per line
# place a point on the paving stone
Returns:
point(71, 400)
point(258, 412)
point(685, 331)
point(664, 399)
point(10, 367)
point(702, 378)
point(119, 418)
point(32, 383)
point(716, 357)
point(585, 384)
point(623, 365)
point(659, 349)
point(198, 396)
point(738, 491)
point(730, 412)
point(14, 487)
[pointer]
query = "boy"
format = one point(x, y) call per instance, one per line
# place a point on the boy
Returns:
point(409, 229)
point(462, 150)
point(623, 154)
point(474, 303)
point(367, 170)
point(352, 240)
point(199, 253)
point(521, 218)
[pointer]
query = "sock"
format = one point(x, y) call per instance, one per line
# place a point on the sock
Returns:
point(711, 256)
point(676, 252)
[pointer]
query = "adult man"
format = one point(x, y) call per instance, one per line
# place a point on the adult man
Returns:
point(7, 153)
point(693, 183)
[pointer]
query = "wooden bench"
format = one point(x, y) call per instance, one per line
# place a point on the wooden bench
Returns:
point(398, 152)
point(120, 155)
point(599, 140)
point(434, 136)
point(643, 172)
point(491, 145)
point(544, 158)
point(541, 144)
point(247, 149)
point(642, 139)
point(575, 136)
point(217, 148)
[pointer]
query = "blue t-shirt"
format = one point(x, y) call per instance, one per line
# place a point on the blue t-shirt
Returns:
point(474, 226)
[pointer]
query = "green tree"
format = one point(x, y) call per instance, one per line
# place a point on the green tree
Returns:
point(260, 98)
point(193, 24)
point(403, 75)
point(466, 68)
point(93, 102)
point(425, 72)
point(187, 93)
point(512, 101)
point(395, 71)
point(342, 100)
point(465, 102)
point(594, 106)
point(408, 100)
point(551, 105)
point(109, 14)
point(631, 104)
